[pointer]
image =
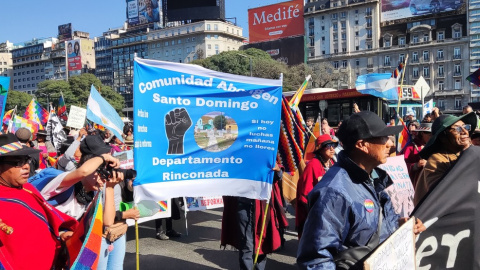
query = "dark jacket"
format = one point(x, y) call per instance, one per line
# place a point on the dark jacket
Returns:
point(341, 213)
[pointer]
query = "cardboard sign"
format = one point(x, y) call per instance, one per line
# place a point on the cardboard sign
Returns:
point(397, 252)
point(401, 192)
point(76, 117)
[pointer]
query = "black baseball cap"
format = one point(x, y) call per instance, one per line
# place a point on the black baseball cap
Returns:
point(364, 125)
point(94, 144)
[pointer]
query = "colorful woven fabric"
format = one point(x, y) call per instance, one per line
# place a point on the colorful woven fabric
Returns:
point(474, 77)
point(7, 148)
point(62, 109)
point(396, 73)
point(403, 137)
point(293, 138)
point(19, 122)
point(85, 243)
point(36, 113)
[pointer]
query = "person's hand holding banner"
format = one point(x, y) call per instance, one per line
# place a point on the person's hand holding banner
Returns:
point(177, 122)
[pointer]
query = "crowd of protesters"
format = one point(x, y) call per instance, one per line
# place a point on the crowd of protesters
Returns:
point(50, 190)
point(340, 202)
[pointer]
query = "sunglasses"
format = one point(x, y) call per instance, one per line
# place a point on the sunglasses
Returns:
point(17, 162)
point(459, 129)
point(330, 145)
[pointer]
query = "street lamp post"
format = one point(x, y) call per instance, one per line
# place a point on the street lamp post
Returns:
point(250, 60)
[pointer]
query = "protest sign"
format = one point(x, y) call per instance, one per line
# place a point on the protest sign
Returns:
point(397, 252)
point(125, 158)
point(76, 117)
point(401, 192)
point(203, 133)
point(204, 203)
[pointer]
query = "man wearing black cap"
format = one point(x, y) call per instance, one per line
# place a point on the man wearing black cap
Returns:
point(30, 229)
point(349, 207)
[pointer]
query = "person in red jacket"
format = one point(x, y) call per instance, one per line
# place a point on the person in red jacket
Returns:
point(315, 169)
point(420, 137)
point(31, 230)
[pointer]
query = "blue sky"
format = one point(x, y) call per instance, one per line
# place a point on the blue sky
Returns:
point(22, 20)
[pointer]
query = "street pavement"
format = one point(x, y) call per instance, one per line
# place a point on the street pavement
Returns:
point(200, 249)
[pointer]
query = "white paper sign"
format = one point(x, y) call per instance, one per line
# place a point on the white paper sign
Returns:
point(76, 117)
point(397, 252)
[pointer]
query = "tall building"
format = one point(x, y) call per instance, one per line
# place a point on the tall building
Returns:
point(103, 55)
point(474, 33)
point(6, 68)
point(343, 33)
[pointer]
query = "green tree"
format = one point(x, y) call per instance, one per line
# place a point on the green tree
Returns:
point(19, 99)
point(77, 90)
point(220, 122)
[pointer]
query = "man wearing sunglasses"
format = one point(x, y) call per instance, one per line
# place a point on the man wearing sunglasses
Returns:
point(450, 136)
point(30, 229)
point(349, 207)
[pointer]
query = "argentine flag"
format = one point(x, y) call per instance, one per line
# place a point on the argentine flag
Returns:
point(101, 112)
point(381, 85)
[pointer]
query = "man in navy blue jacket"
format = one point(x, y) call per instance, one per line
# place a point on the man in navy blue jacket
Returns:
point(345, 205)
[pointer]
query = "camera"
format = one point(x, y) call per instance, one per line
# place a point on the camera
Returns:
point(107, 172)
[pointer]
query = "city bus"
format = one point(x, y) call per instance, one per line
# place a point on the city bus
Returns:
point(338, 104)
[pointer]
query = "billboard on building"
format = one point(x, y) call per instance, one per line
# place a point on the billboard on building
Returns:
point(288, 50)
point(142, 12)
point(399, 9)
point(276, 21)
point(74, 55)
point(194, 10)
point(65, 32)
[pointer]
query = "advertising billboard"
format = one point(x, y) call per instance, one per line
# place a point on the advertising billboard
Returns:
point(288, 50)
point(142, 12)
point(400, 9)
point(194, 10)
point(65, 32)
point(74, 55)
point(276, 21)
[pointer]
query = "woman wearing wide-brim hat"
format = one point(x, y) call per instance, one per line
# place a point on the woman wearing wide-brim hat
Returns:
point(450, 136)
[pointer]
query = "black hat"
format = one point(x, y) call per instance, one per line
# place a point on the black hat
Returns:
point(442, 123)
point(93, 144)
point(42, 132)
point(365, 125)
point(10, 146)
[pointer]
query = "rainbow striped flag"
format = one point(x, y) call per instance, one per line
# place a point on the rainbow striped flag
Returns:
point(62, 109)
point(8, 116)
point(85, 243)
point(19, 122)
point(293, 137)
point(403, 138)
point(36, 113)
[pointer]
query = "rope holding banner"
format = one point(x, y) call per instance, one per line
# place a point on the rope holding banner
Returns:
point(261, 236)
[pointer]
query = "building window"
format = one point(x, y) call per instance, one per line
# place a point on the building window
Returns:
point(357, 62)
point(441, 71)
point(357, 48)
point(457, 33)
point(458, 103)
point(415, 39)
point(215, 27)
point(356, 22)
point(334, 16)
point(312, 42)
point(335, 27)
point(356, 33)
point(344, 64)
point(343, 14)
point(440, 55)
point(344, 36)
point(456, 53)
point(369, 33)
point(323, 28)
point(369, 22)
point(426, 38)
point(311, 32)
point(440, 35)
point(441, 87)
point(458, 84)
point(441, 103)
point(415, 57)
point(387, 60)
point(457, 70)
point(426, 56)
point(415, 72)
point(208, 26)
point(335, 64)
point(209, 46)
point(426, 72)
point(323, 38)
point(401, 58)
point(335, 37)
point(344, 25)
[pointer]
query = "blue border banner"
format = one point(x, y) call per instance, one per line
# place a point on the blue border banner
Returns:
point(199, 132)
point(4, 85)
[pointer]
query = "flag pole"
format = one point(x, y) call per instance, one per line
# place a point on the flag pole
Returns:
point(401, 86)
point(137, 249)
point(261, 236)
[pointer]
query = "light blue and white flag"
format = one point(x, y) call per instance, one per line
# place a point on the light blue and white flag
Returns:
point(101, 112)
point(381, 85)
point(200, 132)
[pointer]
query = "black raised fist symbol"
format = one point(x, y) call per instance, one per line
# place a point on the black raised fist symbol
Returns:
point(177, 122)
